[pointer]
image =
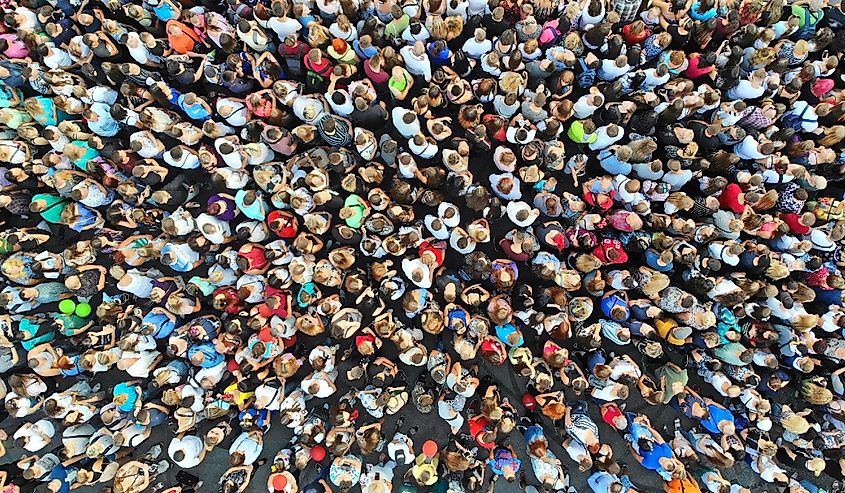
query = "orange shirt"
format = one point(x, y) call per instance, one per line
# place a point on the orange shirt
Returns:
point(183, 42)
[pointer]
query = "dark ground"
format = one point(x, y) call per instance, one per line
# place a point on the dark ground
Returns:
point(431, 426)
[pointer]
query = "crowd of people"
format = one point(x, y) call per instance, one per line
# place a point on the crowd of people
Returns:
point(445, 244)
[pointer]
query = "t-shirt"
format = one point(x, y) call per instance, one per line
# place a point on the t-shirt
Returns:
point(717, 415)
point(131, 393)
point(651, 459)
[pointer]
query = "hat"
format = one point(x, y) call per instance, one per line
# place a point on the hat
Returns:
point(678, 335)
point(821, 241)
point(461, 241)
point(418, 272)
point(522, 214)
point(318, 453)
point(436, 226)
point(430, 448)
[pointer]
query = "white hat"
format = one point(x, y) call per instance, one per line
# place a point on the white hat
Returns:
point(436, 226)
point(764, 424)
point(821, 241)
point(449, 214)
point(459, 234)
point(418, 272)
point(517, 209)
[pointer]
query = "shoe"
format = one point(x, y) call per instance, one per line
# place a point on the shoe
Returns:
point(163, 466)
point(155, 451)
point(413, 431)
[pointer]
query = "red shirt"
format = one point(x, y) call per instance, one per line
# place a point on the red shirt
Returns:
point(606, 246)
point(793, 221)
point(612, 413)
point(694, 71)
point(729, 199)
point(632, 38)
point(380, 77)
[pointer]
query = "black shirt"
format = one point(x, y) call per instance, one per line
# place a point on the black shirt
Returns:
point(706, 145)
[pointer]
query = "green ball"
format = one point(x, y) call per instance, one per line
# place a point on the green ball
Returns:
point(67, 306)
point(83, 310)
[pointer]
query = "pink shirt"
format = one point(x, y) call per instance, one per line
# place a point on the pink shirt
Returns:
point(17, 49)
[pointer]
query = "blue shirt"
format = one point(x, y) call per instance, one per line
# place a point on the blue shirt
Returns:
point(364, 53)
point(194, 111)
point(717, 415)
point(705, 16)
point(503, 331)
point(105, 126)
point(211, 356)
point(165, 11)
point(651, 459)
point(131, 392)
point(610, 163)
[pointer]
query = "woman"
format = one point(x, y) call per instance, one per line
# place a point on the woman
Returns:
point(345, 471)
point(547, 467)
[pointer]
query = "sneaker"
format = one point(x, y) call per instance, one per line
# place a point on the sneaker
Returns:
point(163, 466)
point(413, 431)
point(155, 451)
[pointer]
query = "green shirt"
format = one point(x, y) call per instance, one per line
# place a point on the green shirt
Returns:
point(399, 86)
point(55, 205)
point(396, 27)
point(577, 134)
point(89, 154)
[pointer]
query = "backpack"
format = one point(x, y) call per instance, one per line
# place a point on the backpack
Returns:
point(810, 22)
point(587, 76)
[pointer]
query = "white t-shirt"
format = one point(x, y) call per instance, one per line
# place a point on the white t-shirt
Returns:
point(416, 65)
point(604, 140)
point(582, 108)
point(609, 71)
point(284, 26)
point(221, 231)
point(35, 440)
point(192, 447)
point(474, 49)
point(408, 130)
point(248, 445)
